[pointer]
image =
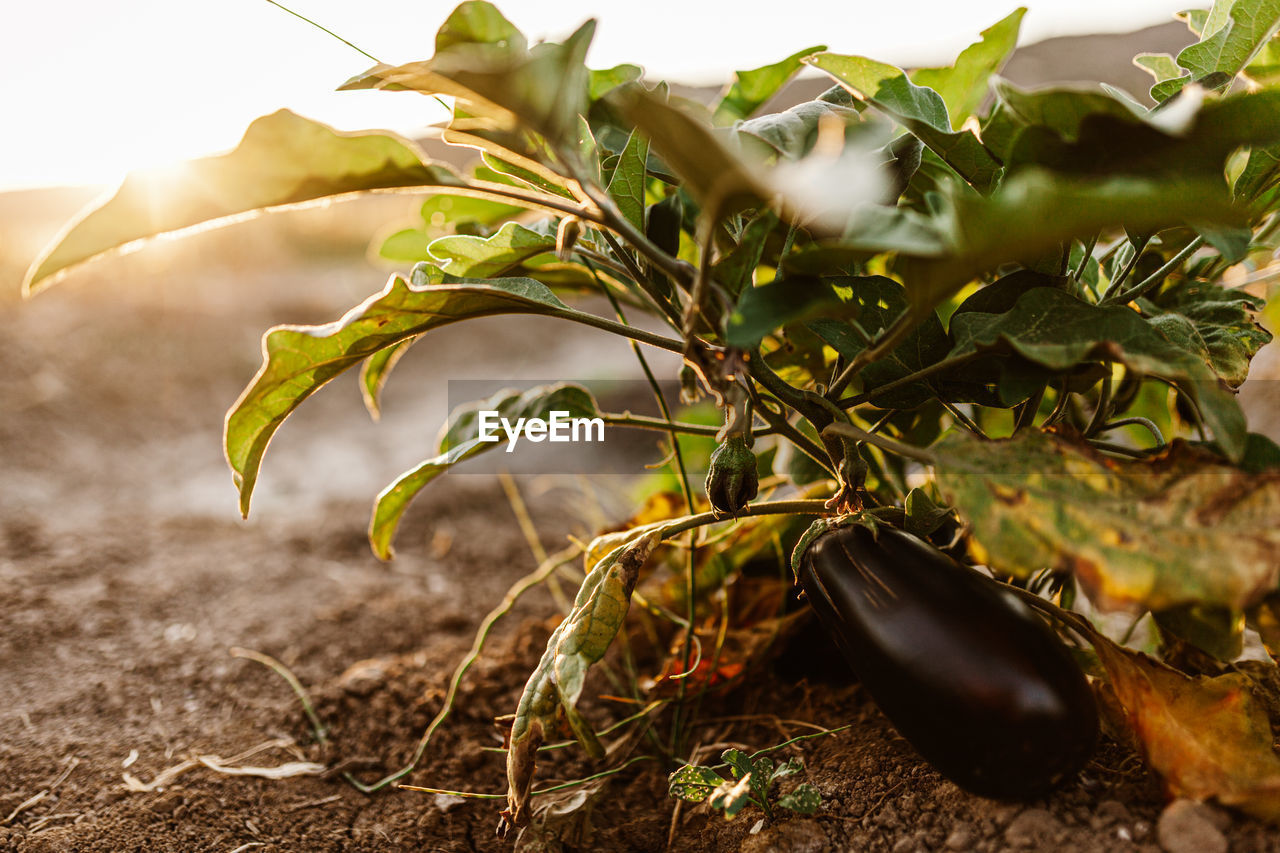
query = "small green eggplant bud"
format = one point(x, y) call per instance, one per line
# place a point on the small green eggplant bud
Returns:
point(732, 480)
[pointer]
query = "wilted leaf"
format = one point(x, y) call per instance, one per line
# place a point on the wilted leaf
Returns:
point(283, 159)
point(1136, 533)
point(1053, 328)
point(298, 360)
point(963, 86)
point(461, 440)
point(580, 640)
point(752, 88)
point(920, 110)
point(1205, 737)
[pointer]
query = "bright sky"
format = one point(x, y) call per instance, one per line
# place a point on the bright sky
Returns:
point(90, 89)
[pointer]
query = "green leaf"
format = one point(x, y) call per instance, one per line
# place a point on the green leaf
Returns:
point(482, 64)
point(406, 246)
point(920, 110)
point(1135, 533)
point(492, 256)
point(626, 187)
point(580, 640)
point(732, 797)
point(791, 134)
point(1261, 169)
point(603, 81)
point(1234, 33)
point(461, 441)
point(752, 88)
point(769, 307)
point(1226, 333)
point(441, 210)
point(693, 783)
point(298, 360)
point(738, 762)
point(1161, 66)
point(790, 767)
point(374, 371)
point(735, 270)
point(1054, 329)
point(283, 159)
point(691, 148)
point(963, 86)
point(805, 799)
point(1216, 631)
point(1034, 212)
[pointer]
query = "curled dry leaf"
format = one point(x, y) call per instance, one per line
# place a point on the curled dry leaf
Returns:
point(1206, 737)
point(580, 640)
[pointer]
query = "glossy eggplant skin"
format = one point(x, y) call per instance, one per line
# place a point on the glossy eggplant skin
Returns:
point(969, 675)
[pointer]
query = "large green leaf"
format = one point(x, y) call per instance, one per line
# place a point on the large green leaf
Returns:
point(752, 88)
point(1149, 534)
point(1219, 325)
point(791, 134)
point(1234, 33)
point(298, 360)
point(920, 110)
point(963, 85)
point(1053, 328)
point(1034, 211)
point(461, 440)
point(1091, 133)
point(282, 159)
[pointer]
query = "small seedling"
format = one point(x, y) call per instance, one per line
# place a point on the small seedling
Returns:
point(751, 780)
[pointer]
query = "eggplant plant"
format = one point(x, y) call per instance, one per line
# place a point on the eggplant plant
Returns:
point(936, 311)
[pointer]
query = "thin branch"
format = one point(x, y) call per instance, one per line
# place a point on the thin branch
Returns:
point(1147, 284)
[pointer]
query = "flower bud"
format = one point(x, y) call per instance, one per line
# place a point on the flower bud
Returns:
point(732, 480)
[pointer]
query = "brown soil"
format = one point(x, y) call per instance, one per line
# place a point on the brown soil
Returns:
point(127, 579)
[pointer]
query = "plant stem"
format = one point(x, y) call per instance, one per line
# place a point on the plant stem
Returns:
point(884, 443)
point(1115, 284)
point(626, 419)
point(364, 53)
point(1136, 421)
point(922, 373)
point(669, 344)
point(1104, 405)
point(893, 335)
point(1150, 282)
point(643, 281)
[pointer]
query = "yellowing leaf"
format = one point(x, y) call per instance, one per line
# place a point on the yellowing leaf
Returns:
point(1181, 528)
point(580, 640)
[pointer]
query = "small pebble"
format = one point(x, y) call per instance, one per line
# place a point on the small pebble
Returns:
point(960, 838)
point(1188, 827)
point(1033, 828)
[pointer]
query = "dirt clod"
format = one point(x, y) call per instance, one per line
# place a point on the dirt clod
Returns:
point(1033, 828)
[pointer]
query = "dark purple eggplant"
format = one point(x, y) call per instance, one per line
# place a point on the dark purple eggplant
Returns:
point(969, 675)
